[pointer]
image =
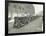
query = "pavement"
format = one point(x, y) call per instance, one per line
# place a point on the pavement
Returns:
point(34, 26)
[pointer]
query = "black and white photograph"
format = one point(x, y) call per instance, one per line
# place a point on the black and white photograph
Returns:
point(25, 17)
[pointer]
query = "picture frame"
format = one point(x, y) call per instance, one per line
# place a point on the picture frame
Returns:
point(6, 17)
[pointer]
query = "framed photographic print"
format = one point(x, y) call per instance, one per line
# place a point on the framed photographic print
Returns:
point(24, 17)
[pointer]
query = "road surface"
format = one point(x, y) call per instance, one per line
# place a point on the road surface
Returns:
point(34, 26)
